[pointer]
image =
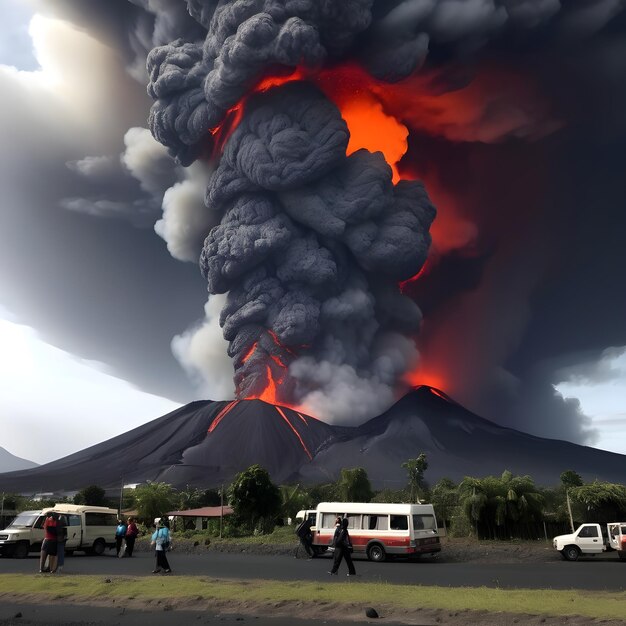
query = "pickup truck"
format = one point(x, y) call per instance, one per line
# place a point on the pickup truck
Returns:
point(592, 539)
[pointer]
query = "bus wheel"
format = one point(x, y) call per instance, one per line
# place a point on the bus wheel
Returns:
point(21, 550)
point(98, 547)
point(622, 555)
point(376, 552)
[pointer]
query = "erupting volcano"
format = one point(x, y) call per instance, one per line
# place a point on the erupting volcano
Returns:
point(318, 229)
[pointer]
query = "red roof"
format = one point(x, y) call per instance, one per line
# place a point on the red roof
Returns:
point(205, 511)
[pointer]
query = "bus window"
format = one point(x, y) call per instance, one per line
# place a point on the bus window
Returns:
point(376, 522)
point(328, 520)
point(399, 522)
point(354, 521)
point(424, 522)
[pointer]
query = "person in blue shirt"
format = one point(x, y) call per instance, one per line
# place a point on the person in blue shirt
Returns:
point(120, 533)
point(162, 542)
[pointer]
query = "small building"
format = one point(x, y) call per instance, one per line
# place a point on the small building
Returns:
point(198, 518)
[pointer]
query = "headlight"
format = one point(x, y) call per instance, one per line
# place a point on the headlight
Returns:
point(4, 537)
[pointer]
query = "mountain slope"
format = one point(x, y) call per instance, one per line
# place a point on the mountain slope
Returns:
point(205, 443)
point(9, 462)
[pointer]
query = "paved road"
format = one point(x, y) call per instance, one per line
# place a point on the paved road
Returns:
point(604, 574)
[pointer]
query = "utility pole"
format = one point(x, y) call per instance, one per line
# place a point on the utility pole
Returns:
point(121, 496)
point(221, 508)
point(569, 510)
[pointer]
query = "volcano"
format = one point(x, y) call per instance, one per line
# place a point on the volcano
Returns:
point(206, 443)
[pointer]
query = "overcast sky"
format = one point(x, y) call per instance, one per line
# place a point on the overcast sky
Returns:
point(526, 319)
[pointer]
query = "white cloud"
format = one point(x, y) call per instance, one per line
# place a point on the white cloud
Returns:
point(53, 404)
point(602, 397)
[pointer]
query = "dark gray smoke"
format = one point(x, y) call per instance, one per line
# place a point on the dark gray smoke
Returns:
point(310, 249)
point(312, 243)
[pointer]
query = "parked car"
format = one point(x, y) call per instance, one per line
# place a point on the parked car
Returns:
point(89, 528)
point(591, 539)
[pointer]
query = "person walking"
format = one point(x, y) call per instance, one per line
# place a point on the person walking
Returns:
point(343, 549)
point(49, 545)
point(131, 534)
point(120, 534)
point(162, 542)
point(306, 538)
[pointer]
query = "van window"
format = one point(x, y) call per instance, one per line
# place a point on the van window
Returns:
point(39, 522)
point(376, 522)
point(100, 519)
point(328, 520)
point(354, 521)
point(424, 522)
point(399, 522)
point(73, 520)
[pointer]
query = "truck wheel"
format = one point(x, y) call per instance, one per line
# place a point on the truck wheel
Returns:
point(571, 553)
point(98, 547)
point(376, 552)
point(21, 550)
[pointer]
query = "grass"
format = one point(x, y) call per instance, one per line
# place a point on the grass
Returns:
point(597, 605)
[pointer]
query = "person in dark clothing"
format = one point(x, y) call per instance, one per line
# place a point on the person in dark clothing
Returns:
point(61, 539)
point(306, 538)
point(131, 534)
point(343, 549)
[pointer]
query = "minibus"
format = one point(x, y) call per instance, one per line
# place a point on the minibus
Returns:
point(380, 530)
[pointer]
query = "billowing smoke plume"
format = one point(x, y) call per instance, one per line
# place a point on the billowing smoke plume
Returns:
point(312, 243)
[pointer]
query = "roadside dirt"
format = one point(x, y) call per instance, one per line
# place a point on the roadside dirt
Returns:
point(453, 550)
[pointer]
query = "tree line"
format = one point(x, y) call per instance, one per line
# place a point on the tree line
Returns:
point(490, 507)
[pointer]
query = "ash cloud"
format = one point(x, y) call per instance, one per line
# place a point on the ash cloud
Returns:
point(572, 302)
point(308, 241)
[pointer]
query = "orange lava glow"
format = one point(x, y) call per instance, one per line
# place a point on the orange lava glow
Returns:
point(487, 105)
point(269, 393)
point(295, 432)
point(421, 376)
point(221, 414)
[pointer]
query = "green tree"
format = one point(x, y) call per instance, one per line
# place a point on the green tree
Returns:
point(354, 485)
point(92, 496)
point(570, 478)
point(327, 492)
point(415, 469)
point(189, 498)
point(210, 497)
point(444, 498)
point(603, 502)
point(255, 499)
point(293, 499)
point(154, 500)
point(500, 506)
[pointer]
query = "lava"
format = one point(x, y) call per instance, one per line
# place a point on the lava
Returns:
point(295, 432)
point(221, 414)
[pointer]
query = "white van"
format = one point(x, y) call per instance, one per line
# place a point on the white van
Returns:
point(89, 528)
point(380, 529)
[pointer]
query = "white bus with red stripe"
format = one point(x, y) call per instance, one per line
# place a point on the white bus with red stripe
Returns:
point(379, 530)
